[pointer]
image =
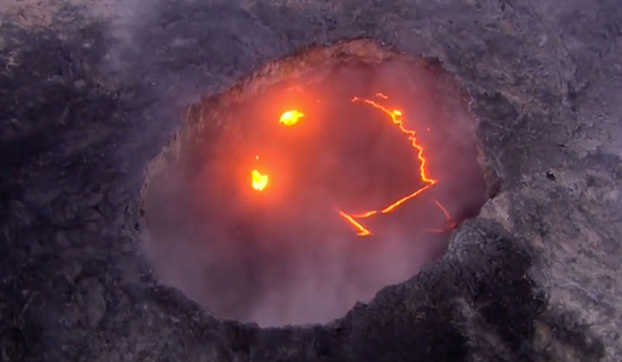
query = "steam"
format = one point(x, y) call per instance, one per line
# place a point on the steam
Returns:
point(284, 256)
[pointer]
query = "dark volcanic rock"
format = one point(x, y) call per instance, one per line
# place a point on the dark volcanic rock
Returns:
point(90, 94)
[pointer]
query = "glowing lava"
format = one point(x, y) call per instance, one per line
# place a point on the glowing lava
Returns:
point(290, 118)
point(397, 119)
point(259, 180)
point(359, 227)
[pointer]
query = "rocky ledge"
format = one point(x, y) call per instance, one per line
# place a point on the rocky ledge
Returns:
point(90, 92)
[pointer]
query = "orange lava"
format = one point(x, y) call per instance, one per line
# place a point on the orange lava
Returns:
point(396, 117)
point(362, 230)
point(398, 120)
point(290, 118)
point(397, 203)
point(365, 214)
point(259, 181)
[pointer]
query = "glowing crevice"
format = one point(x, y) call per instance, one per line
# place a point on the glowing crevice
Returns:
point(362, 230)
point(397, 119)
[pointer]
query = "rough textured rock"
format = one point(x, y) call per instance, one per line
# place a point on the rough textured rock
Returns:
point(89, 94)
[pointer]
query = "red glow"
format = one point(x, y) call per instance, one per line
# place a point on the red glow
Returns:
point(362, 230)
point(398, 120)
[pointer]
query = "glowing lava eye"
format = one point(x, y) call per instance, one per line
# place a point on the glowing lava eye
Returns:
point(290, 118)
point(259, 180)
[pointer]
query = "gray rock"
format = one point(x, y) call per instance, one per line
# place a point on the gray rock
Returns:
point(92, 301)
point(535, 277)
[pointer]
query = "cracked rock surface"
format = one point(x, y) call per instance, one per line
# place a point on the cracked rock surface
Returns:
point(90, 92)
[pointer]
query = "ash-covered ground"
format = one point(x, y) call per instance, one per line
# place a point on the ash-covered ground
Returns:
point(90, 92)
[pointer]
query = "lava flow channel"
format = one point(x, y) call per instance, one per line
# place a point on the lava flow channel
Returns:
point(398, 120)
point(452, 224)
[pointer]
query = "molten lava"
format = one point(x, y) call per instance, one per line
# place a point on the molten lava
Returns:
point(290, 118)
point(259, 180)
point(397, 119)
point(359, 227)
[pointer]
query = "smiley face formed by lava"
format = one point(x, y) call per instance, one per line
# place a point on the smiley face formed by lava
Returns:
point(260, 177)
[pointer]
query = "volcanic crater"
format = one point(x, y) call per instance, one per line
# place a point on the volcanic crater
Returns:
point(271, 223)
point(323, 177)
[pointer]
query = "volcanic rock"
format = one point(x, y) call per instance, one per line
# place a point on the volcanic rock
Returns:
point(91, 92)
